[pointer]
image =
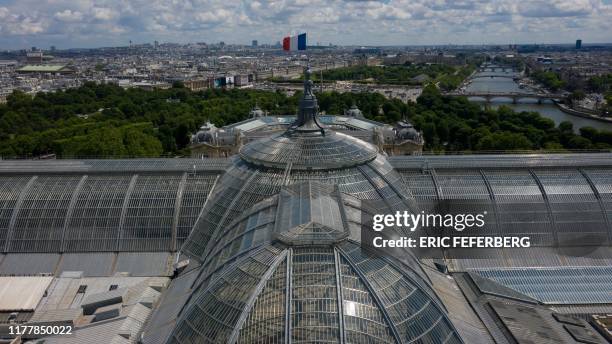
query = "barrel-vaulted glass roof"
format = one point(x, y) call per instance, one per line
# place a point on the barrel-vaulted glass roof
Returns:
point(558, 285)
point(99, 210)
point(88, 205)
point(555, 205)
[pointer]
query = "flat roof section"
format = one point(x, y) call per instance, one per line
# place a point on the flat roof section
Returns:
point(19, 294)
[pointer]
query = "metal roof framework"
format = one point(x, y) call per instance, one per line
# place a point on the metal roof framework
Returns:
point(551, 200)
point(100, 211)
point(152, 204)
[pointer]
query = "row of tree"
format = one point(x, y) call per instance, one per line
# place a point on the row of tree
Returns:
point(579, 86)
point(108, 121)
point(397, 74)
point(549, 79)
point(456, 124)
point(62, 121)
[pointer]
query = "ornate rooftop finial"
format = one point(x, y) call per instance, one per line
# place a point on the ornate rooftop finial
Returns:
point(256, 111)
point(308, 109)
point(353, 111)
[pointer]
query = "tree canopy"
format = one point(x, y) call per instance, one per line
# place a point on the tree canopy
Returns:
point(549, 79)
point(103, 120)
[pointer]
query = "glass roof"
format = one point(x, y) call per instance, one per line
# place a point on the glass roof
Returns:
point(244, 185)
point(55, 212)
point(277, 236)
point(96, 208)
point(575, 285)
point(329, 151)
point(556, 207)
point(312, 294)
point(320, 286)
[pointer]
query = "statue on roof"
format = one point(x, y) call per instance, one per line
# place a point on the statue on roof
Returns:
point(308, 84)
point(308, 108)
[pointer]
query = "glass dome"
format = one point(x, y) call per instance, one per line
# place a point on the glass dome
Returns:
point(244, 184)
point(313, 294)
point(314, 151)
point(291, 269)
point(278, 243)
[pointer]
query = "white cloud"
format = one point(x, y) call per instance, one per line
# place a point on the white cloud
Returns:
point(556, 8)
point(102, 13)
point(4, 12)
point(100, 22)
point(69, 16)
point(213, 17)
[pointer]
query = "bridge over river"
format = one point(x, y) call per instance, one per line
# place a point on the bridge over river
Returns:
point(489, 67)
point(491, 71)
point(492, 75)
point(515, 96)
point(499, 90)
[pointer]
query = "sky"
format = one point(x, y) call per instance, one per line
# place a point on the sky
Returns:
point(95, 23)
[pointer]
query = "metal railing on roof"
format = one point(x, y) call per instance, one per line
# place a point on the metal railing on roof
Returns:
point(113, 165)
point(525, 160)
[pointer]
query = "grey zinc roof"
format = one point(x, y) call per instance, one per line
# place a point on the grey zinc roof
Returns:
point(91, 264)
point(489, 286)
point(93, 301)
point(64, 290)
point(58, 316)
point(172, 301)
point(469, 326)
point(120, 314)
point(145, 263)
point(137, 315)
point(104, 332)
point(29, 264)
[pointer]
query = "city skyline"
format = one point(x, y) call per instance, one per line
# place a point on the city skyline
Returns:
point(89, 24)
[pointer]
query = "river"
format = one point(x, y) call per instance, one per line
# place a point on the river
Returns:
point(547, 109)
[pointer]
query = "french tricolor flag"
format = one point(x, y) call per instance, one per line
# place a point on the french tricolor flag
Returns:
point(291, 43)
